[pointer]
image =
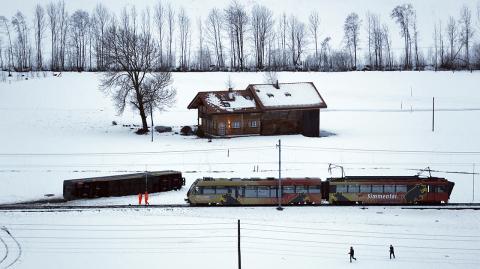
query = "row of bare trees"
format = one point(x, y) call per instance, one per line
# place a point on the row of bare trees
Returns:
point(239, 39)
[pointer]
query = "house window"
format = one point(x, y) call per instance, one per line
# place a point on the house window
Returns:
point(270, 94)
point(253, 124)
point(236, 124)
point(288, 94)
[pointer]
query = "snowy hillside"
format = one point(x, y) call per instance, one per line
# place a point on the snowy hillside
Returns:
point(57, 128)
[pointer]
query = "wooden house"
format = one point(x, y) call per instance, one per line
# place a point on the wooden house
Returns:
point(261, 109)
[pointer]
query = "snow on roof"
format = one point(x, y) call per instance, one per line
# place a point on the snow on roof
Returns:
point(235, 101)
point(288, 94)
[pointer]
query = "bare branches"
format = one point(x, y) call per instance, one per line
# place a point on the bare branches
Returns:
point(351, 28)
point(130, 55)
point(261, 25)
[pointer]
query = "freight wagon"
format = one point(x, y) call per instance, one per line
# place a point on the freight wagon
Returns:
point(121, 185)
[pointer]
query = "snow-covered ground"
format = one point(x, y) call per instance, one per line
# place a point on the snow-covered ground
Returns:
point(298, 237)
point(57, 128)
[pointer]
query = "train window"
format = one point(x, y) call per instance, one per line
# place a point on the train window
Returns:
point(289, 189)
point(263, 192)
point(221, 190)
point(389, 188)
point(440, 189)
point(341, 188)
point(353, 188)
point(377, 188)
point(314, 189)
point(250, 192)
point(301, 189)
point(273, 191)
point(431, 188)
point(365, 188)
point(208, 190)
point(401, 188)
point(198, 190)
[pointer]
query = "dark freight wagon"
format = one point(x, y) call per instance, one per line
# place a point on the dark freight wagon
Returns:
point(121, 185)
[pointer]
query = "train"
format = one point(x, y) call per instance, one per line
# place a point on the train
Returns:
point(347, 190)
point(121, 185)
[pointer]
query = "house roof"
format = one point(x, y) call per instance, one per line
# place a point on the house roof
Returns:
point(299, 95)
point(225, 101)
point(258, 97)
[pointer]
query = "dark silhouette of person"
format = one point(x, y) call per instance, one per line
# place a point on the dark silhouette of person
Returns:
point(392, 252)
point(352, 254)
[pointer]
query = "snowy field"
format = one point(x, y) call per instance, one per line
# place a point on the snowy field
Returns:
point(298, 237)
point(57, 128)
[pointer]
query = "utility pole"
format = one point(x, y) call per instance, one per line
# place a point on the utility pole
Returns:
point(433, 114)
point(279, 192)
point(473, 183)
point(151, 118)
point(239, 252)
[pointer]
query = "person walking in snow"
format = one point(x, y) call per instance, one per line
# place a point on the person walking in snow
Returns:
point(392, 252)
point(352, 254)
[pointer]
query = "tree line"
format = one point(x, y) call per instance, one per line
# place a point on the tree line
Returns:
point(236, 39)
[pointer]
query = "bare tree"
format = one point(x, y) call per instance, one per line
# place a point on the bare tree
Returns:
point(262, 24)
point(57, 17)
point(160, 14)
point(171, 28)
point(4, 23)
point(236, 18)
point(100, 19)
point(325, 54)
point(283, 38)
point(39, 27)
point(351, 28)
point(52, 20)
point(403, 16)
point(314, 21)
point(214, 32)
point(157, 91)
point(415, 39)
point(130, 57)
point(466, 32)
point(79, 22)
point(452, 34)
point(297, 39)
point(22, 49)
point(63, 31)
point(184, 29)
point(270, 77)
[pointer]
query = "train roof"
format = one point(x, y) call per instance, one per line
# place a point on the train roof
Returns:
point(253, 181)
point(257, 179)
point(124, 176)
point(383, 178)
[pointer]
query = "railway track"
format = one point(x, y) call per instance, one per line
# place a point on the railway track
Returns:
point(35, 207)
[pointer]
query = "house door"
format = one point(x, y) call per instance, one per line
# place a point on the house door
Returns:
point(221, 128)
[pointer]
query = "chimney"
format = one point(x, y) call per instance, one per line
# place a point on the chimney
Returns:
point(230, 94)
point(276, 85)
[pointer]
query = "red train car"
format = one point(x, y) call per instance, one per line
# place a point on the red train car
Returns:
point(388, 190)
